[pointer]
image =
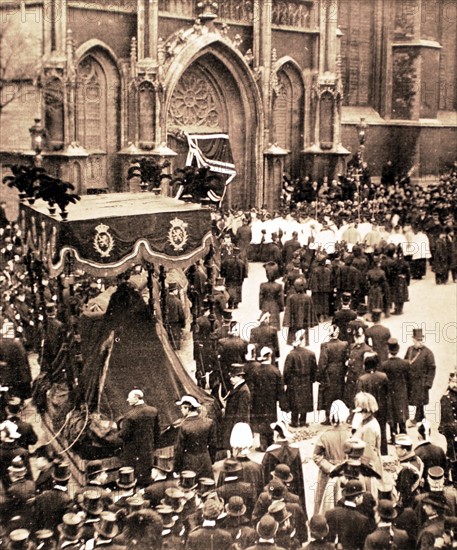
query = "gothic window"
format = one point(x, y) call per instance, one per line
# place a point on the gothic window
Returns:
point(54, 113)
point(92, 89)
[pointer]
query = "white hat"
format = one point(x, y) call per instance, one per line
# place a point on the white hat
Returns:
point(299, 335)
point(250, 355)
point(189, 400)
point(265, 316)
point(264, 352)
point(10, 429)
point(339, 412)
point(281, 429)
point(241, 436)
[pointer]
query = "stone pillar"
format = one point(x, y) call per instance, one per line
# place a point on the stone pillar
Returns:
point(273, 174)
point(265, 60)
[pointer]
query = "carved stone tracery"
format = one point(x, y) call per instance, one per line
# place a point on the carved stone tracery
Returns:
point(194, 102)
point(291, 14)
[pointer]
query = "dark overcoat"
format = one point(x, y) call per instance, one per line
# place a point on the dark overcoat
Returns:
point(140, 431)
point(299, 375)
point(213, 538)
point(237, 409)
point(331, 371)
point(234, 271)
point(379, 335)
point(299, 314)
point(341, 319)
point(423, 369)
point(267, 391)
point(399, 374)
point(196, 446)
point(266, 335)
point(271, 299)
point(354, 370)
point(342, 521)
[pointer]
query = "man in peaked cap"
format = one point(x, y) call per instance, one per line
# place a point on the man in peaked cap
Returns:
point(411, 466)
point(196, 444)
point(423, 370)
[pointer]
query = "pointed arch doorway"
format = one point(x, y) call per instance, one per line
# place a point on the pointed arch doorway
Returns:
point(210, 97)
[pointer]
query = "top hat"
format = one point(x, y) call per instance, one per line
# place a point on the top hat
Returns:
point(212, 508)
point(172, 286)
point(282, 472)
point(235, 506)
point(353, 488)
point(376, 314)
point(267, 527)
point(279, 511)
point(91, 502)
point(370, 361)
point(107, 526)
point(44, 537)
point(418, 334)
point(393, 345)
point(61, 471)
point(206, 485)
point(346, 297)
point(19, 538)
point(136, 502)
point(187, 480)
point(167, 514)
point(232, 466)
point(236, 369)
point(403, 440)
point(277, 489)
point(51, 308)
point(71, 525)
point(386, 509)
point(174, 498)
point(318, 527)
point(126, 477)
point(362, 309)
point(94, 468)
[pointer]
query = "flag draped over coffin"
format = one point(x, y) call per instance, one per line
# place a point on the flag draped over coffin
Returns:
point(214, 152)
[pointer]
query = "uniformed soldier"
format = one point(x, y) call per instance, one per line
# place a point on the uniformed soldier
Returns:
point(448, 423)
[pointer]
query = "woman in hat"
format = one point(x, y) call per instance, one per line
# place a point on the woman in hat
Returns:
point(329, 448)
point(366, 427)
point(196, 444)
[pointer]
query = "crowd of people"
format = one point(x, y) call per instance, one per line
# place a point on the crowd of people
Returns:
point(343, 254)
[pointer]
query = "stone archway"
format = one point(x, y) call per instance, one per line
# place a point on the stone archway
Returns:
point(211, 96)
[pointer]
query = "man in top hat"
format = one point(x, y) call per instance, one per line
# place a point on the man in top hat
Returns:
point(331, 371)
point(386, 535)
point(51, 505)
point(176, 319)
point(343, 317)
point(97, 477)
point(299, 312)
point(271, 296)
point(237, 403)
point(139, 432)
point(448, 421)
point(267, 391)
point(92, 506)
point(266, 335)
point(231, 349)
point(233, 269)
point(398, 372)
point(423, 369)
point(45, 539)
point(209, 535)
point(106, 531)
point(19, 539)
point(196, 444)
point(342, 519)
point(299, 376)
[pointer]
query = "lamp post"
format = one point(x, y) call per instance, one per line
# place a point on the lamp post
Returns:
point(38, 137)
point(362, 127)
